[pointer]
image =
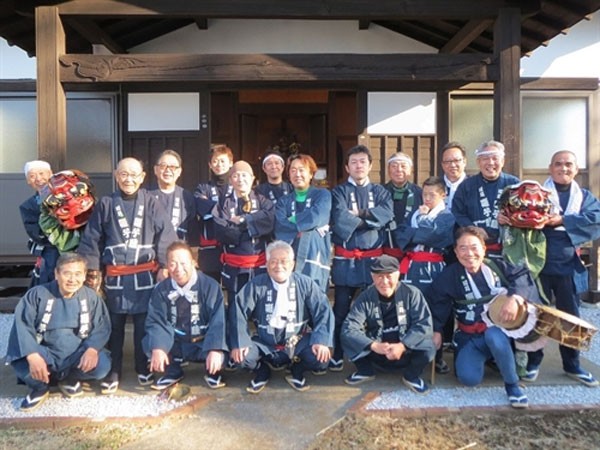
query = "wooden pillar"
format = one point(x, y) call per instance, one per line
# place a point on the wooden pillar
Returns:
point(51, 99)
point(442, 120)
point(507, 102)
point(205, 134)
point(593, 165)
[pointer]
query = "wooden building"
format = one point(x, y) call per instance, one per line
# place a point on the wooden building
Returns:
point(286, 93)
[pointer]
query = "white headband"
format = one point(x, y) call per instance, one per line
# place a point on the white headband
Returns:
point(37, 164)
point(400, 157)
point(489, 151)
point(272, 155)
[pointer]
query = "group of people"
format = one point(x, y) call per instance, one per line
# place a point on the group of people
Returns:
point(412, 268)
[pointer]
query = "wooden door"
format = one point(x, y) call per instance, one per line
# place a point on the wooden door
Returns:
point(146, 146)
point(287, 133)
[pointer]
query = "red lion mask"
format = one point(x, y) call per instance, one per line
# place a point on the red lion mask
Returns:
point(526, 204)
point(69, 196)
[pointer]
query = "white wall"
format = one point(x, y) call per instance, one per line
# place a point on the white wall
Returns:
point(575, 54)
point(14, 63)
point(398, 113)
point(283, 36)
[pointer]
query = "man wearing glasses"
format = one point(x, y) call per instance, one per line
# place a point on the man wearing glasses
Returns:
point(179, 203)
point(476, 199)
point(127, 237)
point(454, 162)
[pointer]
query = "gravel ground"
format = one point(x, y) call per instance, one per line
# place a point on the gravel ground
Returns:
point(96, 407)
point(144, 405)
point(495, 396)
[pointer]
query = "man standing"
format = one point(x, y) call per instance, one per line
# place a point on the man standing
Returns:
point(476, 199)
point(186, 321)
point(454, 162)
point(360, 211)
point(389, 325)
point(59, 334)
point(207, 196)
point(127, 238)
point(37, 174)
point(575, 220)
point(274, 188)
point(176, 201)
point(244, 221)
point(407, 198)
point(292, 318)
point(302, 220)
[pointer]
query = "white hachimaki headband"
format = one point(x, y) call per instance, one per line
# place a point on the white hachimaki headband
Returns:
point(272, 155)
point(400, 157)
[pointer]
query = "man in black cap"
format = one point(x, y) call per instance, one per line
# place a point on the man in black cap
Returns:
point(390, 326)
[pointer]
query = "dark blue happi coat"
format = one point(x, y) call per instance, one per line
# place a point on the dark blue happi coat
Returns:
point(145, 236)
point(310, 241)
point(433, 235)
point(255, 303)
point(61, 338)
point(180, 206)
point(451, 292)
point(364, 323)
point(406, 201)
point(248, 238)
point(274, 191)
point(207, 332)
point(352, 232)
point(476, 203)
point(39, 245)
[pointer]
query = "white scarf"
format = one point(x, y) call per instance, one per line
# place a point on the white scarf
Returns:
point(575, 199)
point(352, 181)
point(490, 279)
point(282, 305)
point(452, 186)
point(432, 214)
point(183, 291)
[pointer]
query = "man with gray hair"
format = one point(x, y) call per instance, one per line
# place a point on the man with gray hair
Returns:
point(292, 318)
point(476, 199)
point(37, 174)
point(575, 219)
point(407, 198)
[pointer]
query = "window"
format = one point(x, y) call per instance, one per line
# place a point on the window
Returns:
point(550, 124)
point(471, 123)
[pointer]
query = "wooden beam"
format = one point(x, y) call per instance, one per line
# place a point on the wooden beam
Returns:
point(289, 9)
point(507, 92)
point(364, 24)
point(201, 23)
point(559, 84)
point(465, 36)
point(273, 68)
point(91, 32)
point(51, 98)
point(442, 108)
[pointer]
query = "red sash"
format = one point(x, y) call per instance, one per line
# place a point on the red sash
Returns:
point(495, 248)
point(476, 328)
point(208, 242)
point(357, 253)
point(124, 269)
point(395, 252)
point(244, 261)
point(419, 257)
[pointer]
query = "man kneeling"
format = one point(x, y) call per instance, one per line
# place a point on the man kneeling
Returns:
point(389, 325)
point(185, 322)
point(293, 320)
point(59, 334)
